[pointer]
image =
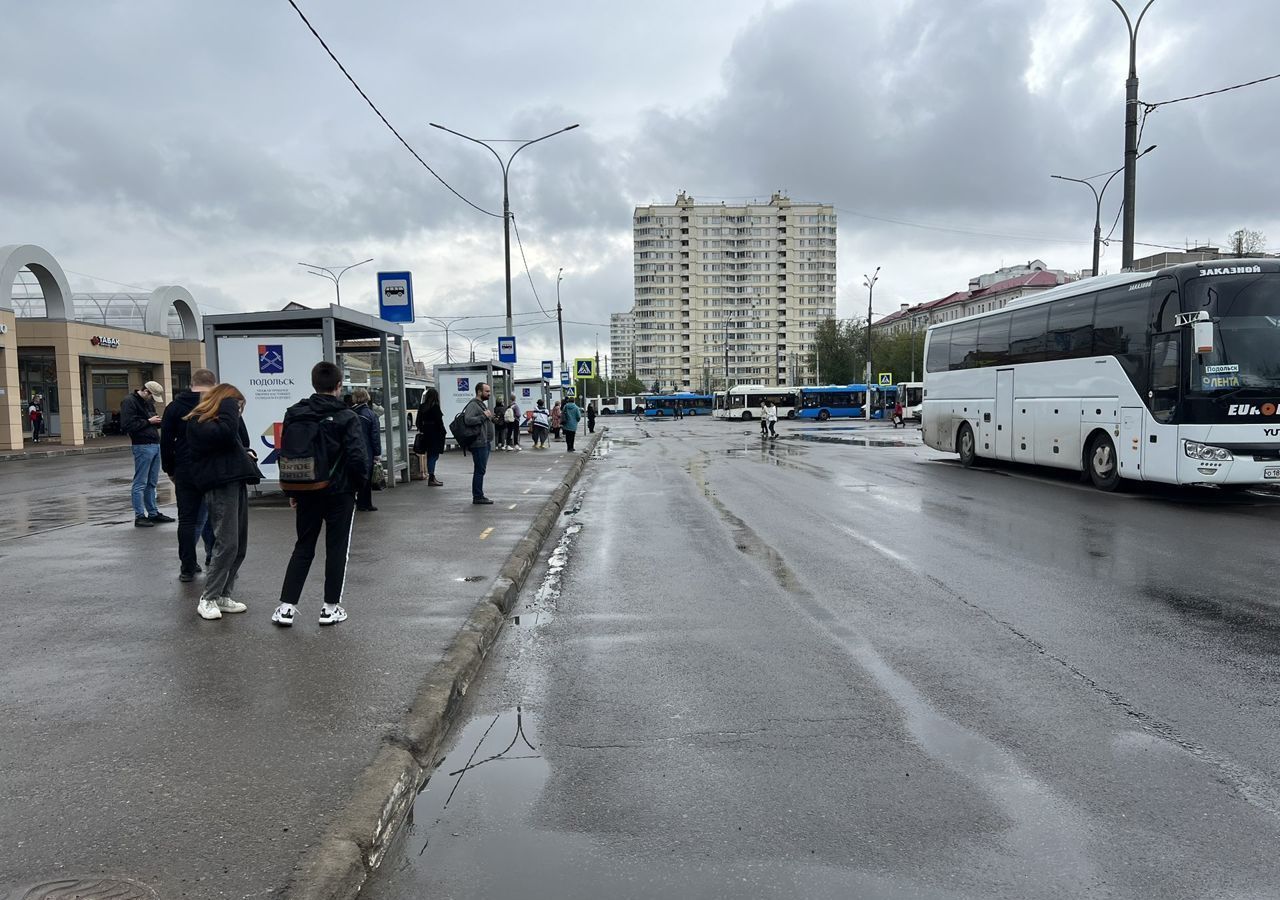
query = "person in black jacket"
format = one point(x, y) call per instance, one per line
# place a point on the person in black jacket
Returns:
point(431, 429)
point(138, 419)
point(372, 443)
point(175, 461)
point(222, 465)
point(334, 507)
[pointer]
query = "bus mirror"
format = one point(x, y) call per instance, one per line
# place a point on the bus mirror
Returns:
point(1204, 336)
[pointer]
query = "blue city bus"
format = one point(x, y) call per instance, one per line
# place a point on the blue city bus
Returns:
point(840, 402)
point(665, 404)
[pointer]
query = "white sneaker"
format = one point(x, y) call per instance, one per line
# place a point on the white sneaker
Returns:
point(208, 609)
point(283, 616)
point(332, 615)
point(227, 605)
point(516, 448)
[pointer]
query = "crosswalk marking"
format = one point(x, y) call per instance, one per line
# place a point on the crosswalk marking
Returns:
point(484, 534)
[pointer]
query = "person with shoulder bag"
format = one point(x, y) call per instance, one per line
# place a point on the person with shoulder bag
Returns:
point(478, 419)
point(222, 465)
point(323, 463)
point(373, 446)
point(431, 434)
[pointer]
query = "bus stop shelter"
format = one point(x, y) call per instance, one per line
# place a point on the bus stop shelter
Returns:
point(269, 355)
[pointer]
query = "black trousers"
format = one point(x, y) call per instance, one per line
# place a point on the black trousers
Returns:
point(335, 512)
point(568, 439)
point(364, 496)
point(189, 498)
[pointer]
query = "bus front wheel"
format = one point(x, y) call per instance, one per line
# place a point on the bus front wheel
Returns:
point(746, 415)
point(823, 415)
point(1104, 469)
point(965, 446)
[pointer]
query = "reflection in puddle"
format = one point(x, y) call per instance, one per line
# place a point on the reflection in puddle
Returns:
point(855, 441)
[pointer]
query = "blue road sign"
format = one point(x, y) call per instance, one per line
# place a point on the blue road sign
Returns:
point(564, 377)
point(548, 369)
point(585, 366)
point(395, 296)
point(507, 349)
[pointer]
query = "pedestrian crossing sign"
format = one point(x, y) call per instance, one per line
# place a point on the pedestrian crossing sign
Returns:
point(886, 379)
point(584, 367)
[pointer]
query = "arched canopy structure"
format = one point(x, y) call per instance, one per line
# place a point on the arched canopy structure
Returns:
point(53, 281)
point(179, 299)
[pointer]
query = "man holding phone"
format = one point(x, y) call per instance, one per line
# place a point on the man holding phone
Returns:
point(138, 419)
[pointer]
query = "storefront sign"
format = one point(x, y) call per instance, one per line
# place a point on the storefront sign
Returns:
point(101, 341)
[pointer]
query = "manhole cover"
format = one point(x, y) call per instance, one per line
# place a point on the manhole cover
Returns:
point(113, 888)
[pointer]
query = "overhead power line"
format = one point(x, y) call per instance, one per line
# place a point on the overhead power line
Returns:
point(520, 244)
point(378, 112)
point(1235, 87)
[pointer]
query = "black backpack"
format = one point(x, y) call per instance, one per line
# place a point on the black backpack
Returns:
point(466, 435)
point(310, 452)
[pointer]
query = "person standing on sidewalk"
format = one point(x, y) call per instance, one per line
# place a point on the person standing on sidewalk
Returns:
point(591, 418)
point(572, 413)
point(478, 417)
point(138, 419)
point(432, 432)
point(540, 426)
point(372, 443)
point(222, 465)
point(175, 461)
point(500, 425)
point(556, 418)
point(35, 414)
point(335, 437)
point(513, 418)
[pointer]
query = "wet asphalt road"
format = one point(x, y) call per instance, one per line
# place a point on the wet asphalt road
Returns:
point(815, 669)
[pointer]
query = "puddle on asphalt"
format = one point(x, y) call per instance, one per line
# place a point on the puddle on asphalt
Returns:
point(494, 763)
point(540, 609)
point(117, 887)
point(854, 441)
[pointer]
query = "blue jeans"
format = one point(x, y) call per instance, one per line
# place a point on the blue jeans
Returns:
point(431, 463)
point(146, 475)
point(480, 456)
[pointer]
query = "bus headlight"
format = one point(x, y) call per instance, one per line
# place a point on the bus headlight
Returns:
point(1206, 451)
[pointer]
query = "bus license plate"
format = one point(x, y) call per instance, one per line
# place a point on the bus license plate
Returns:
point(1272, 472)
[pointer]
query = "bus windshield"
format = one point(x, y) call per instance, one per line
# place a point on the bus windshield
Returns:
point(1246, 312)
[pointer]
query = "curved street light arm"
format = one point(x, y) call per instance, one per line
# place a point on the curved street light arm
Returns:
point(467, 137)
point(353, 265)
point(536, 140)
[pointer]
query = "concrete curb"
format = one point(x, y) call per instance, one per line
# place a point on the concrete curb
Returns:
point(354, 844)
point(69, 451)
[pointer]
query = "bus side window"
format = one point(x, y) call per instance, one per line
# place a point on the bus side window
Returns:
point(1164, 303)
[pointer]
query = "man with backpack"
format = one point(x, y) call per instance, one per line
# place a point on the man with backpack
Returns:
point(323, 462)
point(477, 420)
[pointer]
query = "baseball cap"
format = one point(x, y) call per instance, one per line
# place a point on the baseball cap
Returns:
point(155, 389)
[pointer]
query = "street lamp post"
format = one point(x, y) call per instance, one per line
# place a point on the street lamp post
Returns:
point(1097, 199)
point(916, 321)
point(328, 272)
point(870, 282)
point(560, 318)
point(1130, 131)
point(506, 201)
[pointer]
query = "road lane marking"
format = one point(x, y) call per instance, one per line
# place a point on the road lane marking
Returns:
point(526, 490)
point(484, 534)
point(878, 547)
point(512, 506)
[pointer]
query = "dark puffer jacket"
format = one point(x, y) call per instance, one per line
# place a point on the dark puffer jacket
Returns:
point(219, 448)
point(175, 455)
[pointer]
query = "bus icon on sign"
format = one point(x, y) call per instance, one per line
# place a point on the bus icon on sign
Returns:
point(394, 291)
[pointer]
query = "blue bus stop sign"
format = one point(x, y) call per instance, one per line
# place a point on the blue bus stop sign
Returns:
point(507, 349)
point(395, 296)
point(564, 377)
point(548, 369)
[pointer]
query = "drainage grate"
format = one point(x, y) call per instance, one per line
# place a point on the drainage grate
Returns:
point(109, 888)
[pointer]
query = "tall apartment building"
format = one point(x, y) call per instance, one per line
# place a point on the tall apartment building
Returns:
point(622, 341)
point(731, 293)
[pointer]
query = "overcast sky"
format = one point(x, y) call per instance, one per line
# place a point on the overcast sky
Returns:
point(216, 145)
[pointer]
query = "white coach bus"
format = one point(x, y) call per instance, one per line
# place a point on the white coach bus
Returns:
point(1170, 376)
